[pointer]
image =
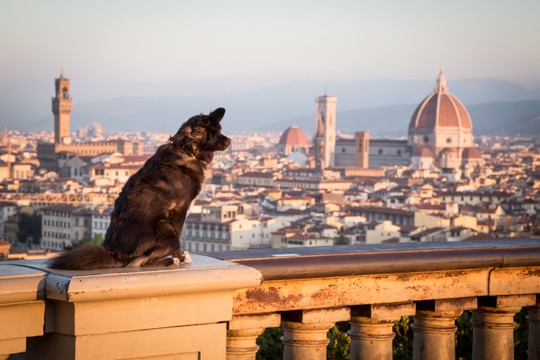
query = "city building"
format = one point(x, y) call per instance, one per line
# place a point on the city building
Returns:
point(292, 140)
point(64, 225)
point(361, 151)
point(222, 227)
point(440, 135)
point(62, 107)
point(56, 227)
point(325, 121)
point(7, 210)
point(441, 131)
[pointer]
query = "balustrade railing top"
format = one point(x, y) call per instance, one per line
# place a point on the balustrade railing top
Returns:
point(334, 261)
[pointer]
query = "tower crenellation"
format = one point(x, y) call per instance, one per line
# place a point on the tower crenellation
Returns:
point(61, 108)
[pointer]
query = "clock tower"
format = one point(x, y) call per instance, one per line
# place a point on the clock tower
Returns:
point(61, 108)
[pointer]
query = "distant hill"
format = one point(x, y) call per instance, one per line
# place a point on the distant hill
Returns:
point(502, 118)
point(381, 106)
point(495, 118)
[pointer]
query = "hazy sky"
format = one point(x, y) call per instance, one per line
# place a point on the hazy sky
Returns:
point(123, 48)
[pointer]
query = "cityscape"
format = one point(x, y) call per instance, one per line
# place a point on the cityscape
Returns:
point(438, 183)
point(379, 197)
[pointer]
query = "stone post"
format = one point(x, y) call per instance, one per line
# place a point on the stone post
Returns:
point(434, 327)
point(305, 341)
point(132, 313)
point(22, 307)
point(372, 330)
point(493, 326)
point(434, 335)
point(242, 334)
point(304, 336)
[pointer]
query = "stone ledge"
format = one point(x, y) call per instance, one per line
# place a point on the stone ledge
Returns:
point(20, 284)
point(203, 275)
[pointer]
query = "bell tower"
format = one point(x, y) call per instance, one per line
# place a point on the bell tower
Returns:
point(61, 108)
point(318, 145)
point(361, 159)
point(326, 113)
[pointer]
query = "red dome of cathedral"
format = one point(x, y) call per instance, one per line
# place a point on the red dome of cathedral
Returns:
point(423, 152)
point(293, 136)
point(471, 153)
point(440, 109)
point(442, 124)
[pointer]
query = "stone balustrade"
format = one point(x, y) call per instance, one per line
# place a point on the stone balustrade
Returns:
point(217, 307)
point(372, 287)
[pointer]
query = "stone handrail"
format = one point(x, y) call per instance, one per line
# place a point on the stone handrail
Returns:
point(217, 307)
point(307, 290)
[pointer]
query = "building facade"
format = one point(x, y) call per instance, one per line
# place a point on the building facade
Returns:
point(441, 131)
point(363, 152)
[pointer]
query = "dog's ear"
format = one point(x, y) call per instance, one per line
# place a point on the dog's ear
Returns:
point(216, 115)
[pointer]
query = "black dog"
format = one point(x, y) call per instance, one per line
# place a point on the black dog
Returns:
point(148, 216)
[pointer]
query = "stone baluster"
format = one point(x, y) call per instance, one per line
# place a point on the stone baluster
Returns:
point(534, 330)
point(304, 332)
point(434, 327)
point(493, 325)
point(372, 329)
point(242, 334)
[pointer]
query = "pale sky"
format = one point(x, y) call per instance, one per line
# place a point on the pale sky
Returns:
point(125, 48)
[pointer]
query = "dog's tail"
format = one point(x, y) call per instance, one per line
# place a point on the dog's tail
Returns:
point(86, 257)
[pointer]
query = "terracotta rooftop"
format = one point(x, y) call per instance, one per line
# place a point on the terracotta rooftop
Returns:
point(293, 136)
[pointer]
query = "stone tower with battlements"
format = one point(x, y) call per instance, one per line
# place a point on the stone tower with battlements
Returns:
point(61, 108)
point(49, 153)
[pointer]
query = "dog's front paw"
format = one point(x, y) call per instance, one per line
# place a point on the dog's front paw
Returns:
point(186, 258)
point(175, 261)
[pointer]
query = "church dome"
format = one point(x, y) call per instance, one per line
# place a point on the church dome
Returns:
point(293, 136)
point(423, 152)
point(440, 109)
point(471, 153)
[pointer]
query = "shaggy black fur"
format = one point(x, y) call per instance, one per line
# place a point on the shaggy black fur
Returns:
point(148, 216)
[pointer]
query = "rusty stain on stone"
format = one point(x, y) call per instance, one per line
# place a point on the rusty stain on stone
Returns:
point(263, 295)
point(532, 272)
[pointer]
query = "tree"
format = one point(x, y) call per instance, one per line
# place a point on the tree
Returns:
point(270, 344)
point(29, 228)
point(342, 240)
point(95, 240)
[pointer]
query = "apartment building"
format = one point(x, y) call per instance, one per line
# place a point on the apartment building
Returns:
point(224, 227)
point(64, 225)
point(7, 210)
point(56, 227)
